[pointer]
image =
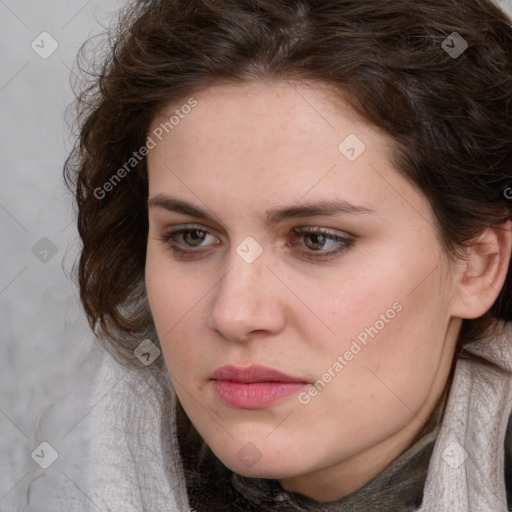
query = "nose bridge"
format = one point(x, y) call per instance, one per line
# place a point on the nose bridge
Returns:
point(242, 284)
point(244, 300)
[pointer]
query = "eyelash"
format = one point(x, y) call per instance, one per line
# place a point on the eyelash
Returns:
point(187, 254)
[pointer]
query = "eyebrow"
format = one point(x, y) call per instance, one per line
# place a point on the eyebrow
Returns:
point(274, 215)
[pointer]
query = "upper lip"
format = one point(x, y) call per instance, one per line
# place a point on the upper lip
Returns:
point(251, 374)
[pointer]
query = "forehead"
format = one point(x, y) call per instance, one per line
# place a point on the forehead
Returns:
point(272, 124)
point(271, 109)
point(276, 141)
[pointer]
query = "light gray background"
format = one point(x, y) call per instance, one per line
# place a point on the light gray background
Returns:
point(44, 335)
point(43, 332)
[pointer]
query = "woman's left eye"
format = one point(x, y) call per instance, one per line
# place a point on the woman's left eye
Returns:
point(320, 237)
point(315, 239)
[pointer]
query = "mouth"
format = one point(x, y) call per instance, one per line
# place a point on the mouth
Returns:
point(253, 387)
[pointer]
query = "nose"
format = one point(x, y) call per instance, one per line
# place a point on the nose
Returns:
point(248, 301)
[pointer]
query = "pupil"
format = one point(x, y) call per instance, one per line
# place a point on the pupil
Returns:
point(194, 235)
point(317, 239)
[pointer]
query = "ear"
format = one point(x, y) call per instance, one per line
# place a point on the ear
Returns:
point(483, 273)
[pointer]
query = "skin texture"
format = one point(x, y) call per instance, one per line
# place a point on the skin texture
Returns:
point(249, 148)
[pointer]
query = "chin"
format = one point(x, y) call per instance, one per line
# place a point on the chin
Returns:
point(250, 463)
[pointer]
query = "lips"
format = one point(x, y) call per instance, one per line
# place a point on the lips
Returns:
point(253, 387)
point(251, 374)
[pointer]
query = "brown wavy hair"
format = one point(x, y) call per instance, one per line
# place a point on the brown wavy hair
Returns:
point(450, 118)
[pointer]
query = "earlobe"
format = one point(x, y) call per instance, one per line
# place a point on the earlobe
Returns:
point(482, 275)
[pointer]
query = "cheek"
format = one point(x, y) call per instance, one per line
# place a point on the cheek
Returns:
point(179, 306)
point(398, 354)
point(390, 331)
point(169, 301)
point(355, 306)
point(170, 291)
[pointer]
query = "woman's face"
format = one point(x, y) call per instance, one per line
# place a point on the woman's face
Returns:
point(361, 324)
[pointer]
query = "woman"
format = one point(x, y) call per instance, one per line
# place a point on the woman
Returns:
point(305, 208)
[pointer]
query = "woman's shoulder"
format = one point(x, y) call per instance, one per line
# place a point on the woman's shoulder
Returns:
point(120, 453)
point(468, 458)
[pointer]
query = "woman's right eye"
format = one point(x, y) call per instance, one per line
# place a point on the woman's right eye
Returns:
point(190, 237)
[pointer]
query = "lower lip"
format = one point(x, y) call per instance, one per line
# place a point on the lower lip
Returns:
point(254, 395)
